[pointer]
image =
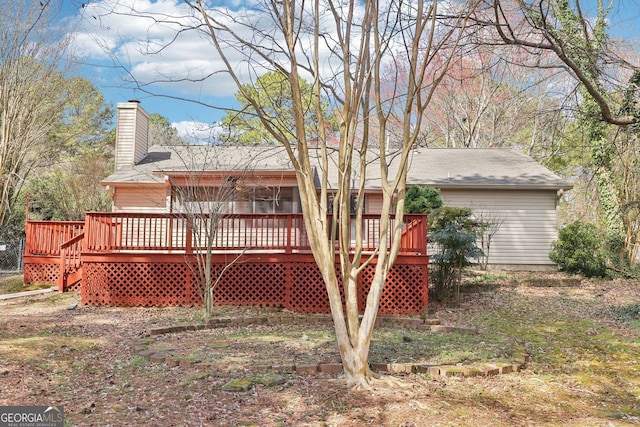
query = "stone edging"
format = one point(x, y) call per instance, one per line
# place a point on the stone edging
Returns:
point(518, 363)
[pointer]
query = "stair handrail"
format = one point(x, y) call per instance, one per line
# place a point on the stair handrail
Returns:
point(70, 256)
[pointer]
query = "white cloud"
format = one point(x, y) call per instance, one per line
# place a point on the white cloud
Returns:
point(155, 41)
point(148, 39)
point(197, 132)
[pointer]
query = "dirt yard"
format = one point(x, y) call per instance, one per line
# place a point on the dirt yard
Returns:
point(583, 342)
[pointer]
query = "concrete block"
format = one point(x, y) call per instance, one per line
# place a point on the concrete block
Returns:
point(331, 368)
point(434, 371)
point(490, 369)
point(452, 371)
point(306, 369)
point(472, 371)
point(400, 368)
point(505, 368)
point(379, 367)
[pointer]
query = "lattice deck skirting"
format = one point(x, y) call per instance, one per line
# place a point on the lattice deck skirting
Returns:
point(45, 273)
point(283, 280)
point(41, 273)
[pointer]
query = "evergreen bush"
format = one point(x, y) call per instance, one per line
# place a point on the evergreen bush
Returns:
point(454, 232)
point(579, 249)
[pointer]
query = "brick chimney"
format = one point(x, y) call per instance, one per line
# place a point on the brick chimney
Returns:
point(132, 134)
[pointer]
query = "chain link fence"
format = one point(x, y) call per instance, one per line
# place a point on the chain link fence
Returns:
point(11, 256)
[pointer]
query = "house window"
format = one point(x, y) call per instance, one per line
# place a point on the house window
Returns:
point(353, 203)
point(197, 200)
point(271, 200)
point(251, 200)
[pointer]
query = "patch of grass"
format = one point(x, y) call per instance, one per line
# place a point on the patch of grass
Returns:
point(35, 349)
point(36, 286)
point(45, 352)
point(239, 348)
point(475, 281)
point(568, 347)
point(132, 368)
point(11, 284)
point(139, 362)
point(490, 277)
point(407, 346)
point(629, 313)
point(635, 324)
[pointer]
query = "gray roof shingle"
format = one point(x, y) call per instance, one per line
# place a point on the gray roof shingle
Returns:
point(437, 167)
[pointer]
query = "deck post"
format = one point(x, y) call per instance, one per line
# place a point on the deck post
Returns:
point(188, 247)
point(60, 281)
point(425, 284)
point(289, 226)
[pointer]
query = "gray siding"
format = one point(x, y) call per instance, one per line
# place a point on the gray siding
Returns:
point(528, 217)
point(141, 135)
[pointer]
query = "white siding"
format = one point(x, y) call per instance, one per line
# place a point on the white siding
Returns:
point(125, 138)
point(528, 222)
point(140, 199)
point(132, 134)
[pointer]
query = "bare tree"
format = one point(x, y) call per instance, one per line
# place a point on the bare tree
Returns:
point(489, 225)
point(483, 102)
point(208, 189)
point(347, 50)
point(33, 92)
point(549, 33)
point(343, 48)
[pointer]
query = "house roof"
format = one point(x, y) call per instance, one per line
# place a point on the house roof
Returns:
point(480, 168)
point(161, 160)
point(437, 167)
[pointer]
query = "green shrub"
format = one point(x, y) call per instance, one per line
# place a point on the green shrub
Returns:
point(420, 200)
point(454, 232)
point(579, 250)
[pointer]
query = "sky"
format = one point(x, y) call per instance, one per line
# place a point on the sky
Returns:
point(113, 44)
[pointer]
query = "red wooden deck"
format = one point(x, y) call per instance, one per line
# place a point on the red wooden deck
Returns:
point(133, 259)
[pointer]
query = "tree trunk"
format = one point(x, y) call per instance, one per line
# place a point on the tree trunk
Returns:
point(610, 204)
point(355, 362)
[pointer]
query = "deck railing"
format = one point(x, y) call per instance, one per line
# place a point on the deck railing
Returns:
point(120, 231)
point(47, 237)
point(142, 259)
point(57, 243)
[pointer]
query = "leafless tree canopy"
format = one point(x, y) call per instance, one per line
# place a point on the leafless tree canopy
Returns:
point(32, 92)
point(351, 52)
point(572, 37)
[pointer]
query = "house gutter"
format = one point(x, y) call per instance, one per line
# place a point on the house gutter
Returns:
point(459, 186)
